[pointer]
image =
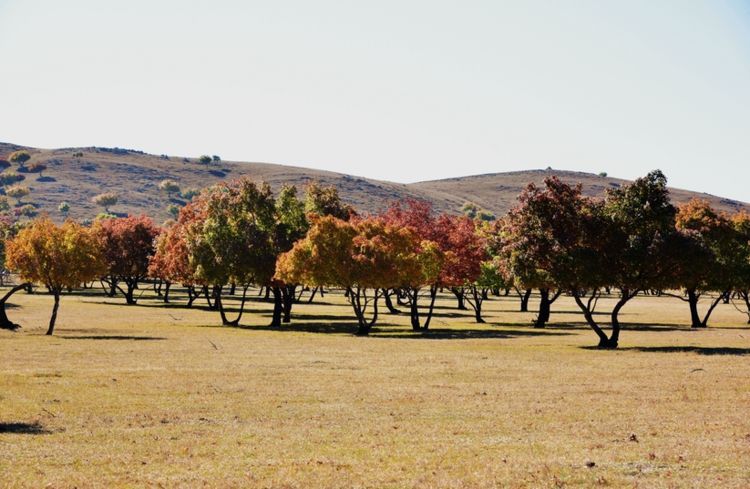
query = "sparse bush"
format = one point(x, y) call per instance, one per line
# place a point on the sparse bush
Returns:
point(205, 159)
point(26, 210)
point(64, 208)
point(164, 157)
point(18, 192)
point(4, 204)
point(169, 186)
point(78, 154)
point(190, 193)
point(10, 178)
point(106, 200)
point(603, 174)
point(174, 210)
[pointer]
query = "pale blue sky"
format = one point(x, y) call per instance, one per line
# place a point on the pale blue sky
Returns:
point(399, 90)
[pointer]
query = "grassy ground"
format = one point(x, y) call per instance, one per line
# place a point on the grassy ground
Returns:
point(161, 396)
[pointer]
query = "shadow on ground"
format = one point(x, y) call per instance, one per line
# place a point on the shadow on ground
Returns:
point(700, 350)
point(23, 428)
point(113, 337)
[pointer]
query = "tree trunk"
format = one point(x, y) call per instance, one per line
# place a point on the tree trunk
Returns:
point(6, 323)
point(695, 319)
point(459, 293)
point(356, 297)
point(288, 296)
point(222, 312)
point(167, 286)
point(604, 341)
point(389, 303)
point(544, 309)
point(525, 296)
point(53, 318)
point(704, 323)
point(312, 295)
point(413, 295)
point(278, 306)
point(192, 295)
point(477, 297)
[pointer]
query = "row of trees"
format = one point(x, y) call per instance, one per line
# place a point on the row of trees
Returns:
point(557, 240)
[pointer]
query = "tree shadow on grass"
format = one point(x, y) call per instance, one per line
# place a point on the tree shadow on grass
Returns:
point(401, 332)
point(625, 327)
point(114, 337)
point(34, 428)
point(700, 350)
point(467, 334)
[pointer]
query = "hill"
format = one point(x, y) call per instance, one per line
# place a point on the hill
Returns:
point(75, 175)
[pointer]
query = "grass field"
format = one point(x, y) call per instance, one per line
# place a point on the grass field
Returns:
point(161, 396)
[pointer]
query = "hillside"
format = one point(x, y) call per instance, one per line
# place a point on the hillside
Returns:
point(135, 177)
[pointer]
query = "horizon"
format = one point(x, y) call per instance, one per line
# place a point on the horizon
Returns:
point(403, 92)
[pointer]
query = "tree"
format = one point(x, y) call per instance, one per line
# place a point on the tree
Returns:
point(171, 259)
point(169, 186)
point(105, 200)
point(37, 168)
point(534, 232)
point(290, 225)
point(58, 257)
point(626, 246)
point(325, 201)
point(709, 254)
point(127, 243)
point(741, 224)
point(461, 252)
point(64, 208)
point(204, 159)
point(20, 157)
point(366, 257)
point(216, 159)
point(233, 242)
point(18, 192)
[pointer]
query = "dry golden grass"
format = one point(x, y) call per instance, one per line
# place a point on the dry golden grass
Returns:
point(161, 396)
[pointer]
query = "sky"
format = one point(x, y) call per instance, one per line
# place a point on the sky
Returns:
point(401, 90)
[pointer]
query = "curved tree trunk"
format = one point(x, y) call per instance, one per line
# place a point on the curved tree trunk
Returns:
point(360, 302)
point(604, 341)
point(389, 303)
point(224, 320)
point(53, 317)
point(524, 296)
point(475, 299)
point(6, 323)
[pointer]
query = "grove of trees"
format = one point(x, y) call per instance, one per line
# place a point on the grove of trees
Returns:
point(238, 234)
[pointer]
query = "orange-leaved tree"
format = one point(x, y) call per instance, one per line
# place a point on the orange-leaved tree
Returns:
point(365, 257)
point(58, 257)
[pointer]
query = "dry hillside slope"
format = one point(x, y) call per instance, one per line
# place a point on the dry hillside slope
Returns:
point(135, 177)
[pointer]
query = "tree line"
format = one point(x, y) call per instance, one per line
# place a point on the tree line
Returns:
point(556, 240)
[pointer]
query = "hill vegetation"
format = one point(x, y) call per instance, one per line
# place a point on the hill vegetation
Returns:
point(78, 175)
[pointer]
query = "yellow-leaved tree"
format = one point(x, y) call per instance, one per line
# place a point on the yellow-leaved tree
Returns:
point(57, 257)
